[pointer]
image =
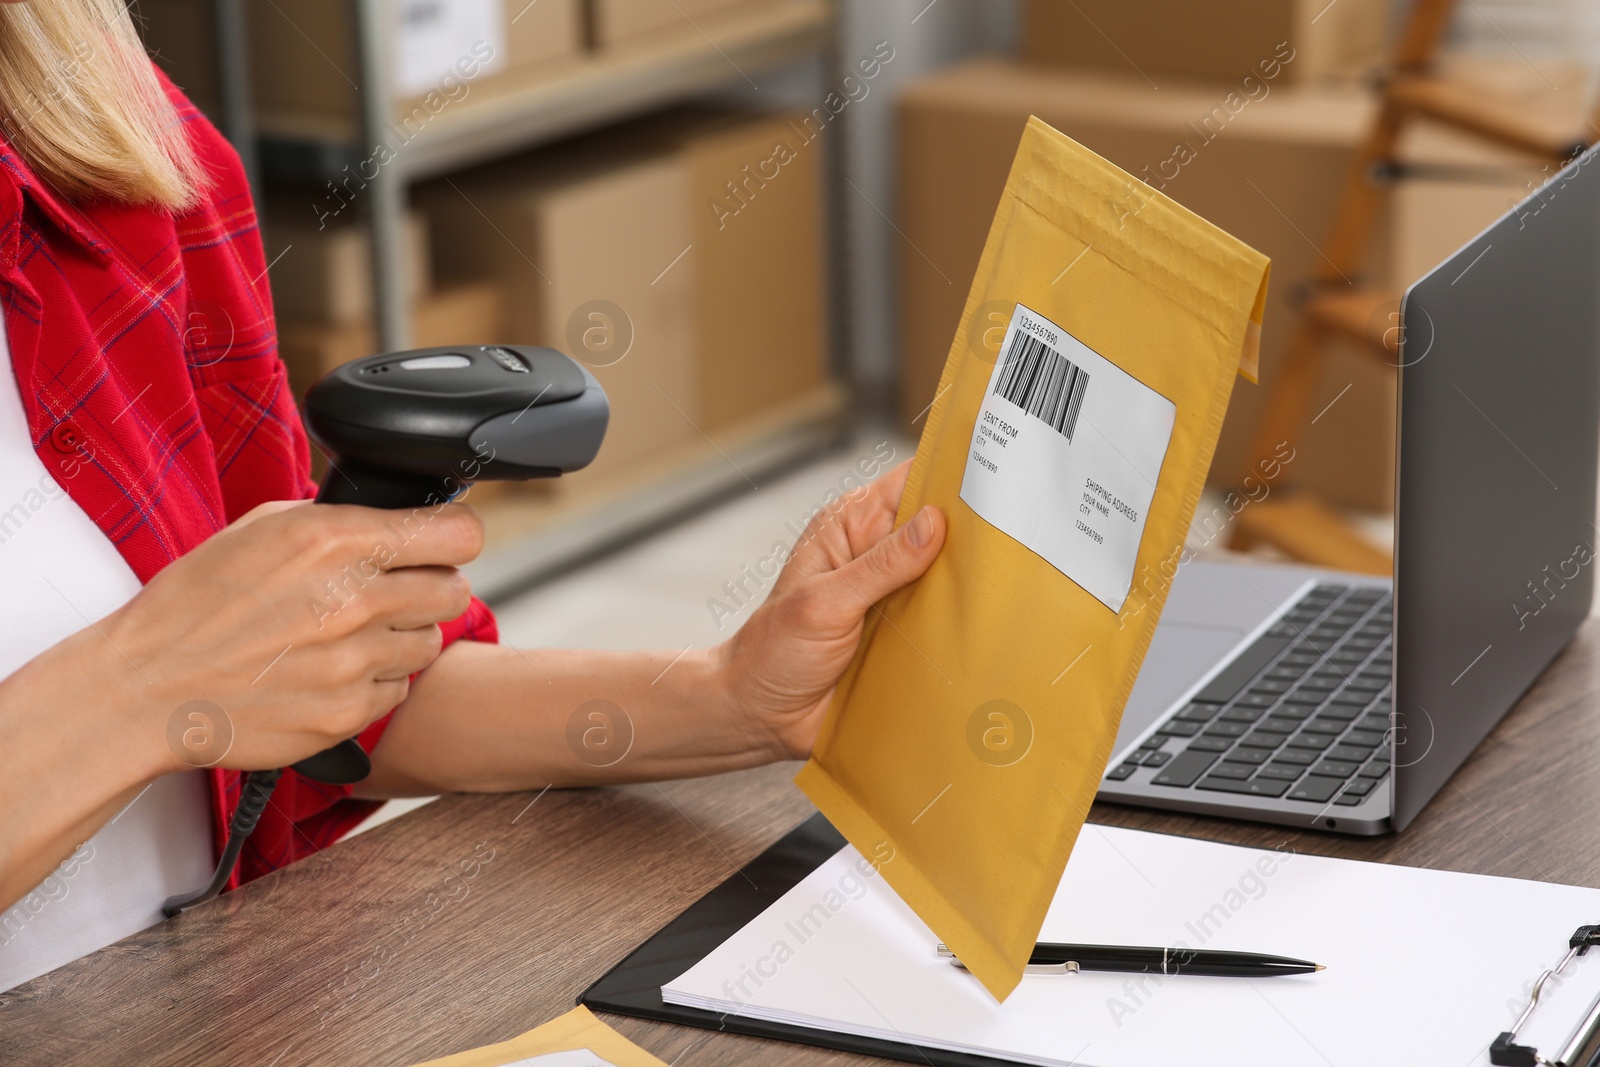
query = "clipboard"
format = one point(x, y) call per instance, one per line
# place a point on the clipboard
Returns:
point(633, 987)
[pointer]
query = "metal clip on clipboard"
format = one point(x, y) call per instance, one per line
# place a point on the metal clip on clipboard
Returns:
point(1582, 1049)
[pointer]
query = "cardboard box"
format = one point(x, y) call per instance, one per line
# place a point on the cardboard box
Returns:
point(324, 275)
point(1466, 183)
point(1271, 177)
point(760, 320)
point(611, 22)
point(1213, 39)
point(590, 251)
point(470, 314)
point(303, 61)
point(1435, 215)
point(703, 232)
point(538, 41)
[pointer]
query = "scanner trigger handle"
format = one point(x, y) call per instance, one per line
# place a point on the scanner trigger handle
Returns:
point(344, 764)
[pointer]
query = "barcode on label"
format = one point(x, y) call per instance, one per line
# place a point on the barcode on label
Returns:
point(1042, 382)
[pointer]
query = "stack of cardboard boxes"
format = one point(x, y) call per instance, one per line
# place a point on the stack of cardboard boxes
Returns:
point(680, 260)
point(1217, 40)
point(322, 296)
point(304, 58)
point(304, 63)
point(1464, 184)
point(1254, 126)
point(303, 55)
point(305, 67)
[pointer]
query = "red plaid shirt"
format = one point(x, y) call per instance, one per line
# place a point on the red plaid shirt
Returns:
point(145, 353)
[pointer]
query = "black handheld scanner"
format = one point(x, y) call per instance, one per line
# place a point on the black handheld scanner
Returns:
point(409, 429)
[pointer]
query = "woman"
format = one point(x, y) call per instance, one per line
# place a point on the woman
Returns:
point(166, 593)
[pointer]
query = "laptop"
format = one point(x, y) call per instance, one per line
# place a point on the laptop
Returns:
point(1344, 702)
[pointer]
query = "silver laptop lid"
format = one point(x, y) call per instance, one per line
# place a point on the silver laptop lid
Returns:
point(1495, 505)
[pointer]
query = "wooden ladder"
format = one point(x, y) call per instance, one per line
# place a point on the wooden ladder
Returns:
point(1295, 521)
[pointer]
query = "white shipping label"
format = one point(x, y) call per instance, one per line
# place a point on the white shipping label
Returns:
point(1065, 455)
point(433, 36)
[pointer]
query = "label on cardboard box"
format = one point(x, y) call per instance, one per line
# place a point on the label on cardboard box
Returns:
point(1065, 454)
point(432, 36)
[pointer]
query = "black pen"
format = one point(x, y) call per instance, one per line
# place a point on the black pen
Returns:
point(1069, 959)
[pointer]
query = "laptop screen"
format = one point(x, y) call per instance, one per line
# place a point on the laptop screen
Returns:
point(1495, 534)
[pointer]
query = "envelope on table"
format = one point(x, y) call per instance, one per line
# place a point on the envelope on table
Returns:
point(1067, 445)
point(576, 1039)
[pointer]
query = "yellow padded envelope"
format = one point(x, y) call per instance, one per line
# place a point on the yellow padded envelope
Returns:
point(1067, 446)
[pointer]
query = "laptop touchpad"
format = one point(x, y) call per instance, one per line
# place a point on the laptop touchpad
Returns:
point(1179, 654)
point(1209, 610)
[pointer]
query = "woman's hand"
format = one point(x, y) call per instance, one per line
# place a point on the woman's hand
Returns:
point(301, 624)
point(279, 636)
point(783, 664)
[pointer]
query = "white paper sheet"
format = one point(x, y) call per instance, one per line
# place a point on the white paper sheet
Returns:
point(1424, 967)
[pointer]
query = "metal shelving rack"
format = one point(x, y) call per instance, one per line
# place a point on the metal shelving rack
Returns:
point(598, 89)
point(233, 84)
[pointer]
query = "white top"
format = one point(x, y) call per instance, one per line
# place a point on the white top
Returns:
point(58, 572)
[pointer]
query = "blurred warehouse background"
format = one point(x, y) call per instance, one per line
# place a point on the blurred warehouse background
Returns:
point(757, 221)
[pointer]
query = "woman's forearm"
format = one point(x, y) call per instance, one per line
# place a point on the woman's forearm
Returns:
point(76, 752)
point(487, 718)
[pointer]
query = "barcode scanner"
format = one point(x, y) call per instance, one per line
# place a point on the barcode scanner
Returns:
point(413, 430)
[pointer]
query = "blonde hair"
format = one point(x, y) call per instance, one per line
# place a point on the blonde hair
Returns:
point(81, 103)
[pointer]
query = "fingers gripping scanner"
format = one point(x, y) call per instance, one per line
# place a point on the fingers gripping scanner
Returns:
point(412, 430)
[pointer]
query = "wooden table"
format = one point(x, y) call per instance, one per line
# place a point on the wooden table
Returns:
point(345, 958)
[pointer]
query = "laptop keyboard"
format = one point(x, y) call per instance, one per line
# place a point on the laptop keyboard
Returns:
point(1302, 713)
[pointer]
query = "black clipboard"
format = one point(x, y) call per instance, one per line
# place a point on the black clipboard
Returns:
point(633, 987)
